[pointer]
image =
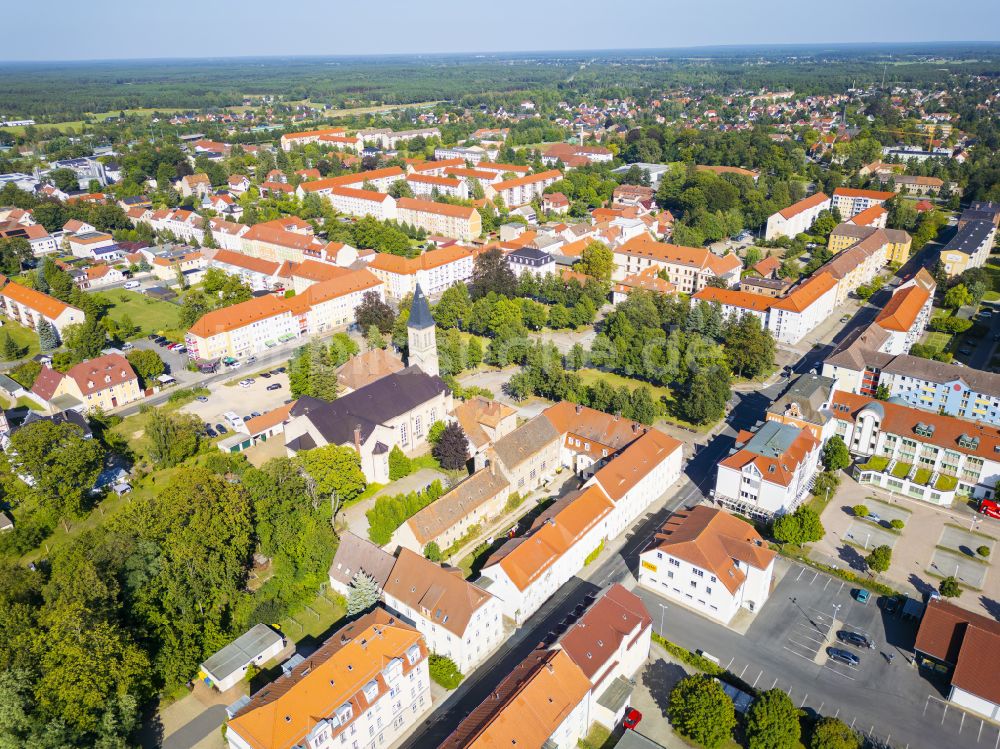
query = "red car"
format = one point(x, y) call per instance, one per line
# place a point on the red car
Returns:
point(632, 718)
point(990, 508)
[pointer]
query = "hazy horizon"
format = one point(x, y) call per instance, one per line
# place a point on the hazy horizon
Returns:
point(256, 29)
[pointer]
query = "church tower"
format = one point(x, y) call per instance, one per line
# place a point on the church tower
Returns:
point(421, 336)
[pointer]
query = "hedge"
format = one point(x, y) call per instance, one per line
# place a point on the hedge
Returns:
point(444, 671)
point(702, 663)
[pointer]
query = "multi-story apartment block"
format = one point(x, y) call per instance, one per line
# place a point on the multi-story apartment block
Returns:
point(906, 314)
point(851, 202)
point(290, 140)
point(442, 219)
point(434, 271)
point(366, 686)
point(355, 202)
point(797, 218)
point(895, 243)
point(969, 248)
point(28, 307)
point(380, 179)
point(923, 455)
point(689, 269)
point(472, 154)
point(429, 185)
point(522, 190)
point(260, 275)
point(709, 561)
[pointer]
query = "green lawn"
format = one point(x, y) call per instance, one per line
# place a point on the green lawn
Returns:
point(314, 619)
point(939, 341)
point(590, 376)
point(22, 336)
point(151, 315)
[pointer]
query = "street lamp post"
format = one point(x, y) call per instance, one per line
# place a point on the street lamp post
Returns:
point(663, 608)
point(836, 610)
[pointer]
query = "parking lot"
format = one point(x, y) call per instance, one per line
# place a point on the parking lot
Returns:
point(883, 696)
point(241, 401)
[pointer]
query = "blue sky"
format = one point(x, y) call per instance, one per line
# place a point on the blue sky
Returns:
point(73, 30)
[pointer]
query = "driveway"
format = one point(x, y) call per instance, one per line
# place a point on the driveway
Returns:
point(355, 515)
point(241, 401)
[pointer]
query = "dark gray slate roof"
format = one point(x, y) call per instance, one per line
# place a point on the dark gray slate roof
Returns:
point(987, 383)
point(809, 392)
point(968, 239)
point(374, 404)
point(420, 311)
point(354, 555)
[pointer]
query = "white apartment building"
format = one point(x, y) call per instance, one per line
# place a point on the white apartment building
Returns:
point(710, 561)
point(428, 185)
point(522, 190)
point(380, 179)
point(458, 619)
point(355, 202)
point(28, 307)
point(290, 140)
point(368, 685)
point(689, 269)
point(769, 471)
point(434, 271)
point(441, 219)
point(850, 202)
point(260, 275)
point(797, 218)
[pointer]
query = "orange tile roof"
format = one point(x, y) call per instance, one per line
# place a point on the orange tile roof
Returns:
point(529, 179)
point(430, 166)
point(802, 297)
point(47, 306)
point(234, 317)
point(698, 257)
point(283, 713)
point(260, 424)
point(313, 270)
point(803, 205)
point(495, 167)
point(274, 235)
point(732, 298)
point(527, 707)
point(537, 552)
point(351, 179)
point(426, 261)
point(602, 430)
point(348, 283)
point(430, 206)
point(851, 192)
point(900, 312)
point(360, 194)
point(315, 133)
point(632, 465)
point(432, 179)
point(768, 265)
point(868, 216)
point(96, 375)
point(256, 264)
point(714, 540)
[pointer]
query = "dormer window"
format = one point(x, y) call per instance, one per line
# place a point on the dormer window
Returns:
point(924, 430)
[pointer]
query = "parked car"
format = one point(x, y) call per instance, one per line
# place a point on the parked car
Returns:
point(989, 507)
point(274, 372)
point(181, 349)
point(266, 375)
point(875, 518)
point(861, 595)
point(843, 656)
point(965, 350)
point(632, 719)
point(247, 418)
point(159, 340)
point(202, 399)
point(126, 347)
point(854, 638)
point(894, 604)
point(986, 314)
point(246, 383)
point(131, 285)
point(274, 386)
point(254, 414)
point(845, 318)
point(221, 429)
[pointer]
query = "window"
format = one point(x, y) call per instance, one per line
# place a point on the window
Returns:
point(698, 572)
point(417, 427)
point(402, 434)
point(708, 591)
point(670, 575)
point(674, 562)
point(694, 584)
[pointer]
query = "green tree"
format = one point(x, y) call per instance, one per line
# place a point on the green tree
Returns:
point(61, 463)
point(433, 552)
point(773, 722)
point(705, 396)
point(879, 559)
point(435, 432)
point(490, 272)
point(65, 179)
point(832, 733)
point(801, 527)
point(882, 392)
point(444, 671)
point(454, 307)
point(48, 338)
point(596, 260)
point(701, 711)
point(750, 347)
point(147, 364)
point(374, 338)
point(8, 349)
point(374, 311)
point(860, 511)
point(957, 296)
point(473, 353)
point(363, 593)
point(452, 449)
point(400, 466)
point(335, 470)
point(85, 340)
point(949, 587)
point(836, 456)
point(173, 437)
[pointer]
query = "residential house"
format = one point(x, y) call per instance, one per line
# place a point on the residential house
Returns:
point(429, 186)
point(358, 555)
point(710, 561)
point(353, 201)
point(368, 683)
point(458, 619)
point(484, 422)
point(876, 216)
point(689, 269)
point(906, 314)
point(555, 202)
point(610, 644)
point(530, 260)
point(104, 383)
point(969, 248)
point(260, 275)
point(769, 471)
point(543, 702)
point(196, 185)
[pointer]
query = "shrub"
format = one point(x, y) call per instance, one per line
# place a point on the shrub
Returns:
point(825, 484)
point(860, 511)
point(594, 554)
point(400, 466)
point(897, 524)
point(434, 433)
point(950, 588)
point(514, 501)
point(833, 733)
point(444, 671)
point(983, 551)
point(432, 551)
point(391, 512)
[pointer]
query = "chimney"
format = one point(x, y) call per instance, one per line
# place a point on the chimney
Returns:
point(579, 408)
point(357, 438)
point(618, 415)
point(635, 427)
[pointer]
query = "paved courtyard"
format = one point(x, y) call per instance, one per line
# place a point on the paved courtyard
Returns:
point(241, 401)
point(934, 543)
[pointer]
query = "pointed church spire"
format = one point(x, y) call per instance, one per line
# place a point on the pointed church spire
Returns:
point(420, 311)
